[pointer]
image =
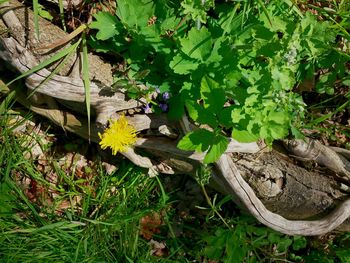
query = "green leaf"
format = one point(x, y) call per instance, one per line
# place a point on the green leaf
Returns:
point(198, 140)
point(281, 117)
point(283, 245)
point(44, 13)
point(346, 82)
point(243, 136)
point(213, 96)
point(197, 8)
point(297, 133)
point(135, 13)
point(176, 107)
point(225, 117)
point(106, 24)
point(299, 242)
point(199, 114)
point(273, 131)
point(343, 255)
point(229, 20)
point(198, 44)
point(181, 64)
point(217, 148)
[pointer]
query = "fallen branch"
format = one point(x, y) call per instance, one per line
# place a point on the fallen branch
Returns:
point(69, 91)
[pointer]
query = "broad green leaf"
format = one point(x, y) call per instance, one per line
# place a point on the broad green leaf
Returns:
point(213, 96)
point(283, 245)
point(169, 23)
point(280, 117)
point(198, 140)
point(299, 242)
point(284, 78)
point(217, 148)
point(200, 115)
point(176, 107)
point(183, 65)
point(297, 133)
point(243, 136)
point(135, 13)
point(198, 44)
point(106, 24)
point(225, 118)
point(197, 9)
point(274, 131)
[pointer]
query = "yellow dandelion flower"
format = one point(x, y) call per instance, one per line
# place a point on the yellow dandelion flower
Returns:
point(118, 136)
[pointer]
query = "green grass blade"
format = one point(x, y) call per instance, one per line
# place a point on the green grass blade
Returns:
point(261, 3)
point(7, 102)
point(329, 115)
point(86, 79)
point(60, 6)
point(36, 17)
point(47, 62)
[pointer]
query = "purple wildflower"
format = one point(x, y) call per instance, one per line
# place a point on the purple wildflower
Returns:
point(157, 89)
point(164, 106)
point(166, 96)
point(147, 109)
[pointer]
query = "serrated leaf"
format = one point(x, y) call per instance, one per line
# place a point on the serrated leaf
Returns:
point(297, 133)
point(197, 9)
point(200, 115)
point(106, 24)
point(225, 118)
point(198, 140)
point(197, 44)
point(213, 96)
point(299, 242)
point(135, 13)
point(218, 147)
point(279, 117)
point(243, 136)
point(272, 131)
point(181, 64)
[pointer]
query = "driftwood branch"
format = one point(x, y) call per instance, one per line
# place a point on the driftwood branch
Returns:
point(17, 49)
point(291, 227)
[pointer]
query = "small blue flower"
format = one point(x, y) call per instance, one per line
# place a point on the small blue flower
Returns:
point(166, 96)
point(164, 106)
point(147, 109)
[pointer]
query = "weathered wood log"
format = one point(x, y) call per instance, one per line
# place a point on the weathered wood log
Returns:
point(284, 188)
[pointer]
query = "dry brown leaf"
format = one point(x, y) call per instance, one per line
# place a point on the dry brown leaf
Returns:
point(149, 225)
